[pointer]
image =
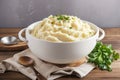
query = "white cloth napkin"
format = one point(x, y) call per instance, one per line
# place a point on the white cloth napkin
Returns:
point(49, 71)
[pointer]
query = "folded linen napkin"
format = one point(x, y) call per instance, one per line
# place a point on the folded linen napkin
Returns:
point(48, 70)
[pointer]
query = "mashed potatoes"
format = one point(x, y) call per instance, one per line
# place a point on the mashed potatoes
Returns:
point(62, 28)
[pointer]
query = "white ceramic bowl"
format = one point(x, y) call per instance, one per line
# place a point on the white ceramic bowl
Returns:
point(61, 53)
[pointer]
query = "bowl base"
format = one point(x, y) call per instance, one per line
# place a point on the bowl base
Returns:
point(72, 64)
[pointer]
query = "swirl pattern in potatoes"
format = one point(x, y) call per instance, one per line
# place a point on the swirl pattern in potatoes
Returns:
point(62, 28)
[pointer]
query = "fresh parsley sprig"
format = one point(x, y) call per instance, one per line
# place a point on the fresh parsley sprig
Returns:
point(62, 17)
point(102, 56)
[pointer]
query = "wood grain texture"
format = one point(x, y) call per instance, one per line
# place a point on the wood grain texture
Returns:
point(17, 47)
point(112, 37)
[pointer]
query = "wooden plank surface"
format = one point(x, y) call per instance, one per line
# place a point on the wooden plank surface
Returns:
point(112, 37)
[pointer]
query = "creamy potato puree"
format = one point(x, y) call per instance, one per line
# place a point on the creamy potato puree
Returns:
point(62, 28)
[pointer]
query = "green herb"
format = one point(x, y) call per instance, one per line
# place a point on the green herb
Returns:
point(52, 22)
point(102, 56)
point(62, 17)
point(70, 27)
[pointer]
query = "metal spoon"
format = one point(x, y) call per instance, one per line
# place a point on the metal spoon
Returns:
point(9, 40)
point(28, 62)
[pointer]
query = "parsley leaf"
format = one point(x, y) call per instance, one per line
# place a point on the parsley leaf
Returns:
point(62, 17)
point(70, 27)
point(102, 56)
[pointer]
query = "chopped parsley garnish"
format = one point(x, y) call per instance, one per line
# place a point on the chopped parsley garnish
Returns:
point(52, 22)
point(62, 17)
point(70, 27)
point(102, 56)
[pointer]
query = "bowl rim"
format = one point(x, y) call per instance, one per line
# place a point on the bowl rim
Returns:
point(33, 25)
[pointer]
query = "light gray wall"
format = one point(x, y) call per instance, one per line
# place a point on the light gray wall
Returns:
point(21, 13)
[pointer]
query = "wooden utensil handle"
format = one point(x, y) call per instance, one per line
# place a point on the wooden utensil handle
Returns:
point(38, 74)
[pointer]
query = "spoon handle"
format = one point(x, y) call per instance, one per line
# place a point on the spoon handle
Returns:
point(36, 73)
point(39, 76)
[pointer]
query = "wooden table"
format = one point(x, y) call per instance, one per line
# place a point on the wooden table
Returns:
point(112, 37)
